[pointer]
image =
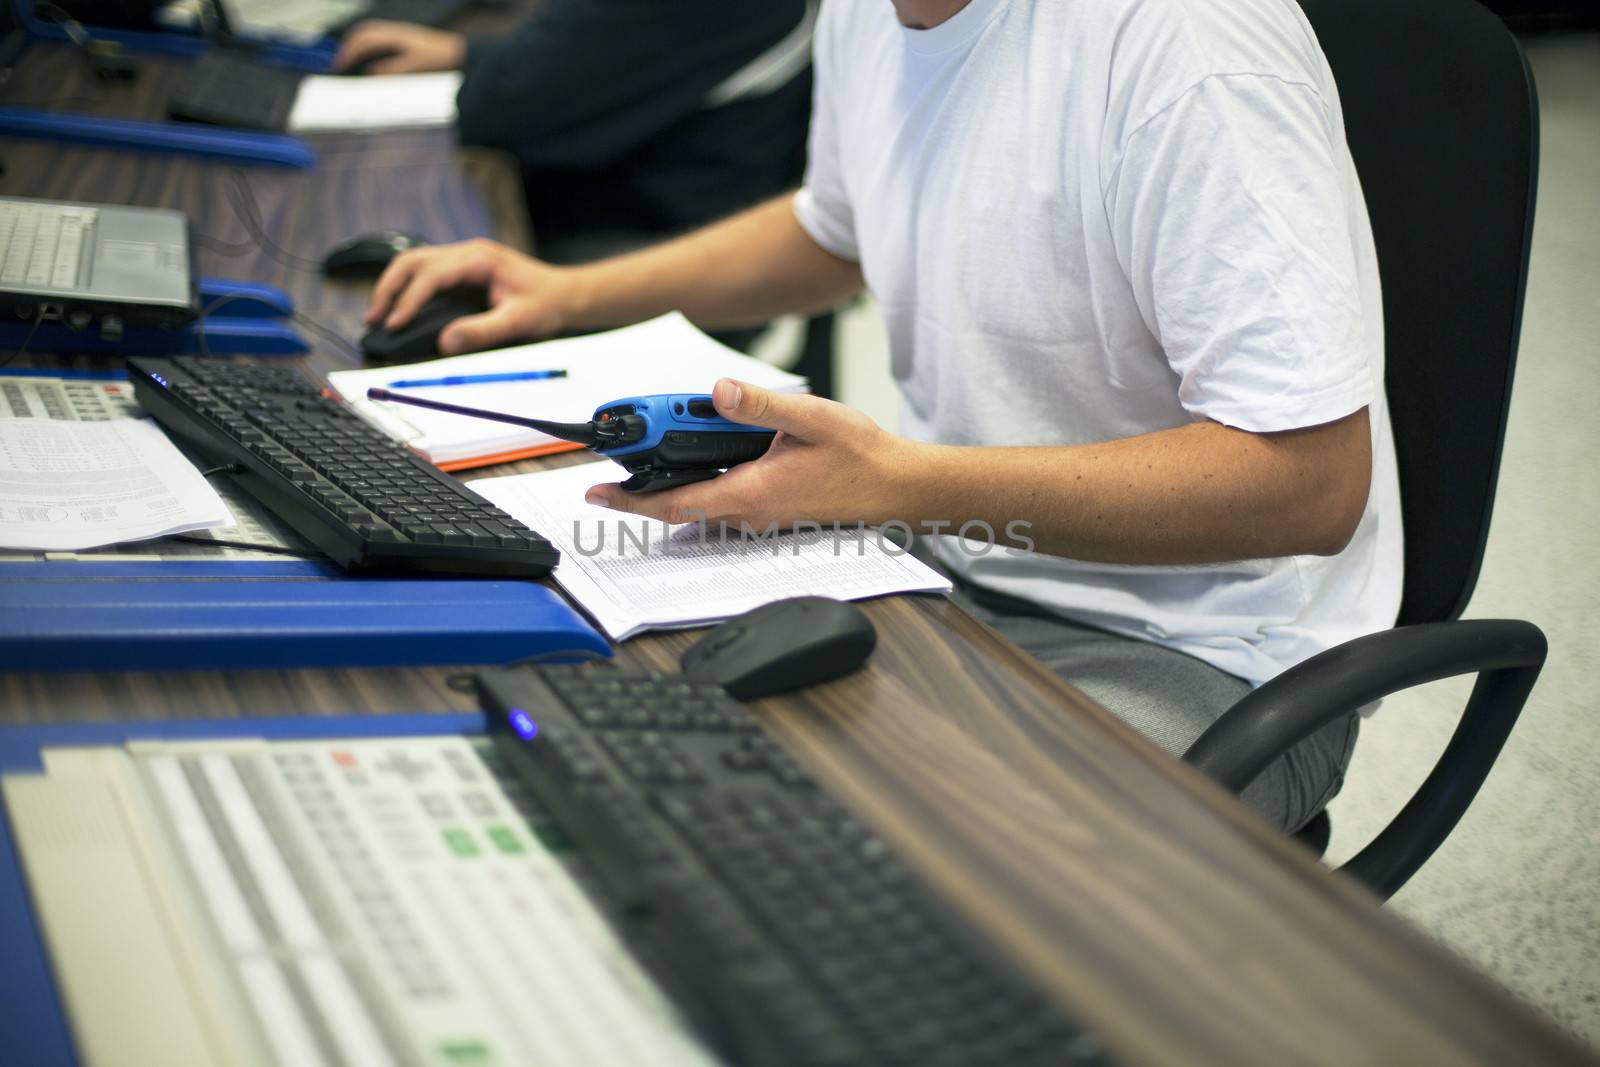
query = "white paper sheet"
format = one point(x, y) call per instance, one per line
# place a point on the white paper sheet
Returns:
point(631, 574)
point(67, 485)
point(379, 102)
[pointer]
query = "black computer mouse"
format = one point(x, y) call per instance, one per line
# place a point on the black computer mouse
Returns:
point(368, 254)
point(365, 64)
point(783, 645)
point(419, 338)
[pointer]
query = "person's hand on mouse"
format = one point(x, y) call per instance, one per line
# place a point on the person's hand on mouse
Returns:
point(399, 48)
point(829, 463)
point(528, 299)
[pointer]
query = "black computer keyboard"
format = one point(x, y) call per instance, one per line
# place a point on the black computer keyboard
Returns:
point(347, 488)
point(780, 923)
point(437, 13)
point(230, 88)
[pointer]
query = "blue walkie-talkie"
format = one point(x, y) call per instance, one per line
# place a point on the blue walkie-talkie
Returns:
point(663, 441)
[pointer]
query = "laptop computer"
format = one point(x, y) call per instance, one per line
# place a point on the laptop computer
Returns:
point(94, 265)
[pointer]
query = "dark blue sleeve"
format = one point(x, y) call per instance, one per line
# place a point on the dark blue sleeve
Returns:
point(583, 82)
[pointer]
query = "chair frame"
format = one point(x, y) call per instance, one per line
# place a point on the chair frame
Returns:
point(1506, 655)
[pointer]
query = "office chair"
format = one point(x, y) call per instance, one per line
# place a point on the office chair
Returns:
point(1442, 120)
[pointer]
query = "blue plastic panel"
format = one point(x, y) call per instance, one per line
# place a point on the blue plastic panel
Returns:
point(81, 624)
point(206, 142)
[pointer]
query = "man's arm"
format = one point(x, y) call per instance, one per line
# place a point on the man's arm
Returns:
point(741, 271)
point(1202, 493)
point(581, 83)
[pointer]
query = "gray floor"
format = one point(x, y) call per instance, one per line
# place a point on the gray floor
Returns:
point(1515, 889)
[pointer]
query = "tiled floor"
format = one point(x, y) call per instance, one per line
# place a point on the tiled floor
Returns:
point(1516, 889)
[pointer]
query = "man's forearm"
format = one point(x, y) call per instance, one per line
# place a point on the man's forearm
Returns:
point(1202, 493)
point(742, 271)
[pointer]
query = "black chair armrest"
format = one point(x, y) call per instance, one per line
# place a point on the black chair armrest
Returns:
point(1506, 654)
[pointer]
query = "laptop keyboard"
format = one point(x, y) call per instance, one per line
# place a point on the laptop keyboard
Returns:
point(43, 244)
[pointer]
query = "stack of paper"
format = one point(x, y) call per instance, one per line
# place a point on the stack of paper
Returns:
point(380, 102)
point(66, 485)
point(664, 355)
point(631, 574)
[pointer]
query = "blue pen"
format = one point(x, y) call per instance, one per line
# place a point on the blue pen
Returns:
point(478, 379)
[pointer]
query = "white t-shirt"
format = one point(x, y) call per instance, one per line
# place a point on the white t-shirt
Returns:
point(1089, 219)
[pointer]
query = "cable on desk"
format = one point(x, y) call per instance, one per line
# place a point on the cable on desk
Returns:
point(26, 340)
point(221, 247)
point(332, 335)
point(107, 60)
point(195, 539)
point(242, 198)
point(206, 313)
point(309, 323)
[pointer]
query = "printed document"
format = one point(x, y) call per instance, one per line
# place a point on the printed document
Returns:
point(386, 102)
point(67, 485)
point(631, 574)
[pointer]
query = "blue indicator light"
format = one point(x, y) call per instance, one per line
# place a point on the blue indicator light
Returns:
point(160, 379)
point(523, 724)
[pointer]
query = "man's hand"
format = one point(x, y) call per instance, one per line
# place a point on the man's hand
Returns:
point(828, 464)
point(528, 299)
point(399, 48)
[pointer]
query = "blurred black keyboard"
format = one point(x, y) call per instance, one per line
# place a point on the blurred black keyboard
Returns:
point(786, 930)
point(344, 486)
point(230, 88)
point(436, 13)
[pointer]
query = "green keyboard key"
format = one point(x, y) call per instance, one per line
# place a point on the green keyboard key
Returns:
point(466, 1052)
point(461, 842)
point(505, 840)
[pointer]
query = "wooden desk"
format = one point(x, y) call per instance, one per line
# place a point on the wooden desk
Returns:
point(1159, 911)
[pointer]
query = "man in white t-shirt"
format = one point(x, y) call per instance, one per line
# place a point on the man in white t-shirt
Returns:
point(1134, 314)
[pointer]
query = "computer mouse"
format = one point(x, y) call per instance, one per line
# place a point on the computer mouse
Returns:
point(368, 254)
point(367, 62)
point(781, 646)
point(419, 338)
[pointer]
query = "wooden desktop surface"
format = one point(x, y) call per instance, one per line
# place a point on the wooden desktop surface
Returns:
point(1157, 909)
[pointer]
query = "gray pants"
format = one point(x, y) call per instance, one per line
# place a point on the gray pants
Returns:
point(1170, 697)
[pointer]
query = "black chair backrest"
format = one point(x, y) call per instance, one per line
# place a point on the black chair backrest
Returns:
point(1442, 120)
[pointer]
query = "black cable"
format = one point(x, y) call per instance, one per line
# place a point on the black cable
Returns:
point(309, 323)
point(26, 340)
point(329, 334)
point(64, 18)
point(221, 247)
point(242, 198)
point(226, 468)
point(218, 542)
point(106, 59)
point(206, 313)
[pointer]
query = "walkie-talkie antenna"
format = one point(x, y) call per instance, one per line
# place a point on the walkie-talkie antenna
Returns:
point(589, 434)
